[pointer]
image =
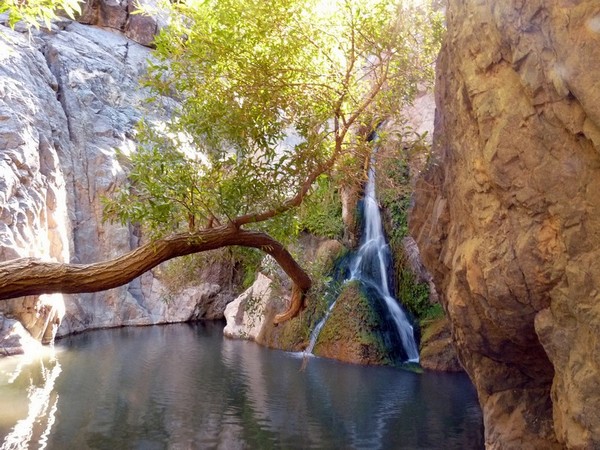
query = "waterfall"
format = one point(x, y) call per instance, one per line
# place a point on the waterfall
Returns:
point(372, 263)
point(371, 266)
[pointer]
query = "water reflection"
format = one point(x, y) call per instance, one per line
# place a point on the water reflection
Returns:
point(354, 406)
point(35, 376)
point(183, 387)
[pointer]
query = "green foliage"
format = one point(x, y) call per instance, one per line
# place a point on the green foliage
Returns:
point(249, 261)
point(415, 296)
point(395, 194)
point(36, 12)
point(164, 191)
point(395, 181)
point(321, 213)
point(241, 263)
point(177, 274)
point(434, 312)
point(268, 92)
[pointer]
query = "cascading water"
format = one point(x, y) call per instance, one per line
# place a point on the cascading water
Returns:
point(370, 265)
point(315, 333)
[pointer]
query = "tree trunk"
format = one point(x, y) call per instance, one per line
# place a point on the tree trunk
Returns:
point(31, 276)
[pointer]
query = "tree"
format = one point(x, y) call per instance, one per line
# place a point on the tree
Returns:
point(271, 95)
point(35, 12)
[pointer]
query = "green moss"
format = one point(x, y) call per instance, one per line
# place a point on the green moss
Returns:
point(434, 329)
point(395, 193)
point(354, 331)
point(414, 295)
point(294, 334)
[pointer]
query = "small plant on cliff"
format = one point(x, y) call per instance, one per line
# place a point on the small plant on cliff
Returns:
point(415, 295)
point(394, 182)
point(321, 213)
point(238, 265)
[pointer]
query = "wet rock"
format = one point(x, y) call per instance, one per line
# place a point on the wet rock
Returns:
point(355, 331)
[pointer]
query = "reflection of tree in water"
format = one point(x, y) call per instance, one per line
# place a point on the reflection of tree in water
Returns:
point(38, 378)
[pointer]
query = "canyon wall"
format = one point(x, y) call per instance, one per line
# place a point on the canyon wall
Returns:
point(508, 215)
point(69, 100)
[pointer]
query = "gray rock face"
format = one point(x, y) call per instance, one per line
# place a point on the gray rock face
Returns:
point(247, 315)
point(507, 218)
point(68, 100)
point(33, 197)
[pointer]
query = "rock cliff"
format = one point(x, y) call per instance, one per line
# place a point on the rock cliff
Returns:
point(69, 99)
point(507, 217)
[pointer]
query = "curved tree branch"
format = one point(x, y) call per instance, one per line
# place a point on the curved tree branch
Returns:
point(31, 276)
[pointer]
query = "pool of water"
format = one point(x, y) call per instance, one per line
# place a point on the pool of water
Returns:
point(186, 387)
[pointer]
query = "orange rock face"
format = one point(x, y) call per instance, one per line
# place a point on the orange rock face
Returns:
point(508, 216)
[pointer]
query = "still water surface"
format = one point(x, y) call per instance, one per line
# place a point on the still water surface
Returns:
point(186, 387)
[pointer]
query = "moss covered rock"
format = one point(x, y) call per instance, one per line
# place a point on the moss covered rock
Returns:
point(355, 331)
point(437, 351)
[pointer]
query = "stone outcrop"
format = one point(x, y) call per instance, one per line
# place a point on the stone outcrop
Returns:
point(507, 217)
point(357, 331)
point(251, 315)
point(436, 350)
point(248, 314)
point(33, 205)
point(69, 99)
point(119, 15)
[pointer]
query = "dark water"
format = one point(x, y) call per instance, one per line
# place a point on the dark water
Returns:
point(185, 387)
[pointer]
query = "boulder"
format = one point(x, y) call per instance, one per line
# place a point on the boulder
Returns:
point(437, 350)
point(356, 331)
point(247, 315)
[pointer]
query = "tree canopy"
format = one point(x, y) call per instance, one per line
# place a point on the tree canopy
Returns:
point(271, 96)
point(269, 93)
